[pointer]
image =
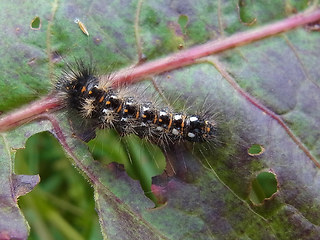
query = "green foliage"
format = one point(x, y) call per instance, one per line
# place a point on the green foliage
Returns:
point(61, 206)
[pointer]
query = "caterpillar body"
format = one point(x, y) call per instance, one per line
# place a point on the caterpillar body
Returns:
point(94, 99)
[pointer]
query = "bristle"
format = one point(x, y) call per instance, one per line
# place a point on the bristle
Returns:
point(87, 108)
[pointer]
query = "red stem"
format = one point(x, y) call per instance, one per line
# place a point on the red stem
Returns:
point(30, 112)
point(173, 61)
point(189, 56)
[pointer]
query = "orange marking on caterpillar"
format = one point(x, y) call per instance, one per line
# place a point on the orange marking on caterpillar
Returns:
point(101, 99)
point(170, 122)
point(182, 124)
point(119, 108)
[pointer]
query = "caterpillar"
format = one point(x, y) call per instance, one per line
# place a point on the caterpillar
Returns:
point(95, 100)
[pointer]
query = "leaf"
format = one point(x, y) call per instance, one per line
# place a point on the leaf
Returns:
point(12, 222)
point(265, 93)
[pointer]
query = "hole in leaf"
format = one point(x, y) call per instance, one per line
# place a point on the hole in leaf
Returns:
point(63, 195)
point(183, 21)
point(245, 13)
point(263, 187)
point(255, 150)
point(141, 159)
point(36, 23)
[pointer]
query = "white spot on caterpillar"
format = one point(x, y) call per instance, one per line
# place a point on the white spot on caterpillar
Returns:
point(177, 117)
point(191, 135)
point(175, 132)
point(193, 119)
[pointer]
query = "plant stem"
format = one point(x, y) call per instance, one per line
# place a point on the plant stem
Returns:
point(189, 56)
point(29, 112)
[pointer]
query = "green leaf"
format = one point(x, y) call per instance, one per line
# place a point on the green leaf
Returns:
point(264, 93)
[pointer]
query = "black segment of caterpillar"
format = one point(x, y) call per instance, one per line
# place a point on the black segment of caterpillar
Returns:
point(96, 100)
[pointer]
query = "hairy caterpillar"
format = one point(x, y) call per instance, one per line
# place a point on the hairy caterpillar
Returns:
point(95, 100)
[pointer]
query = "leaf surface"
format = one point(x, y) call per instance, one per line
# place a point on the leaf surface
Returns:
point(264, 93)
